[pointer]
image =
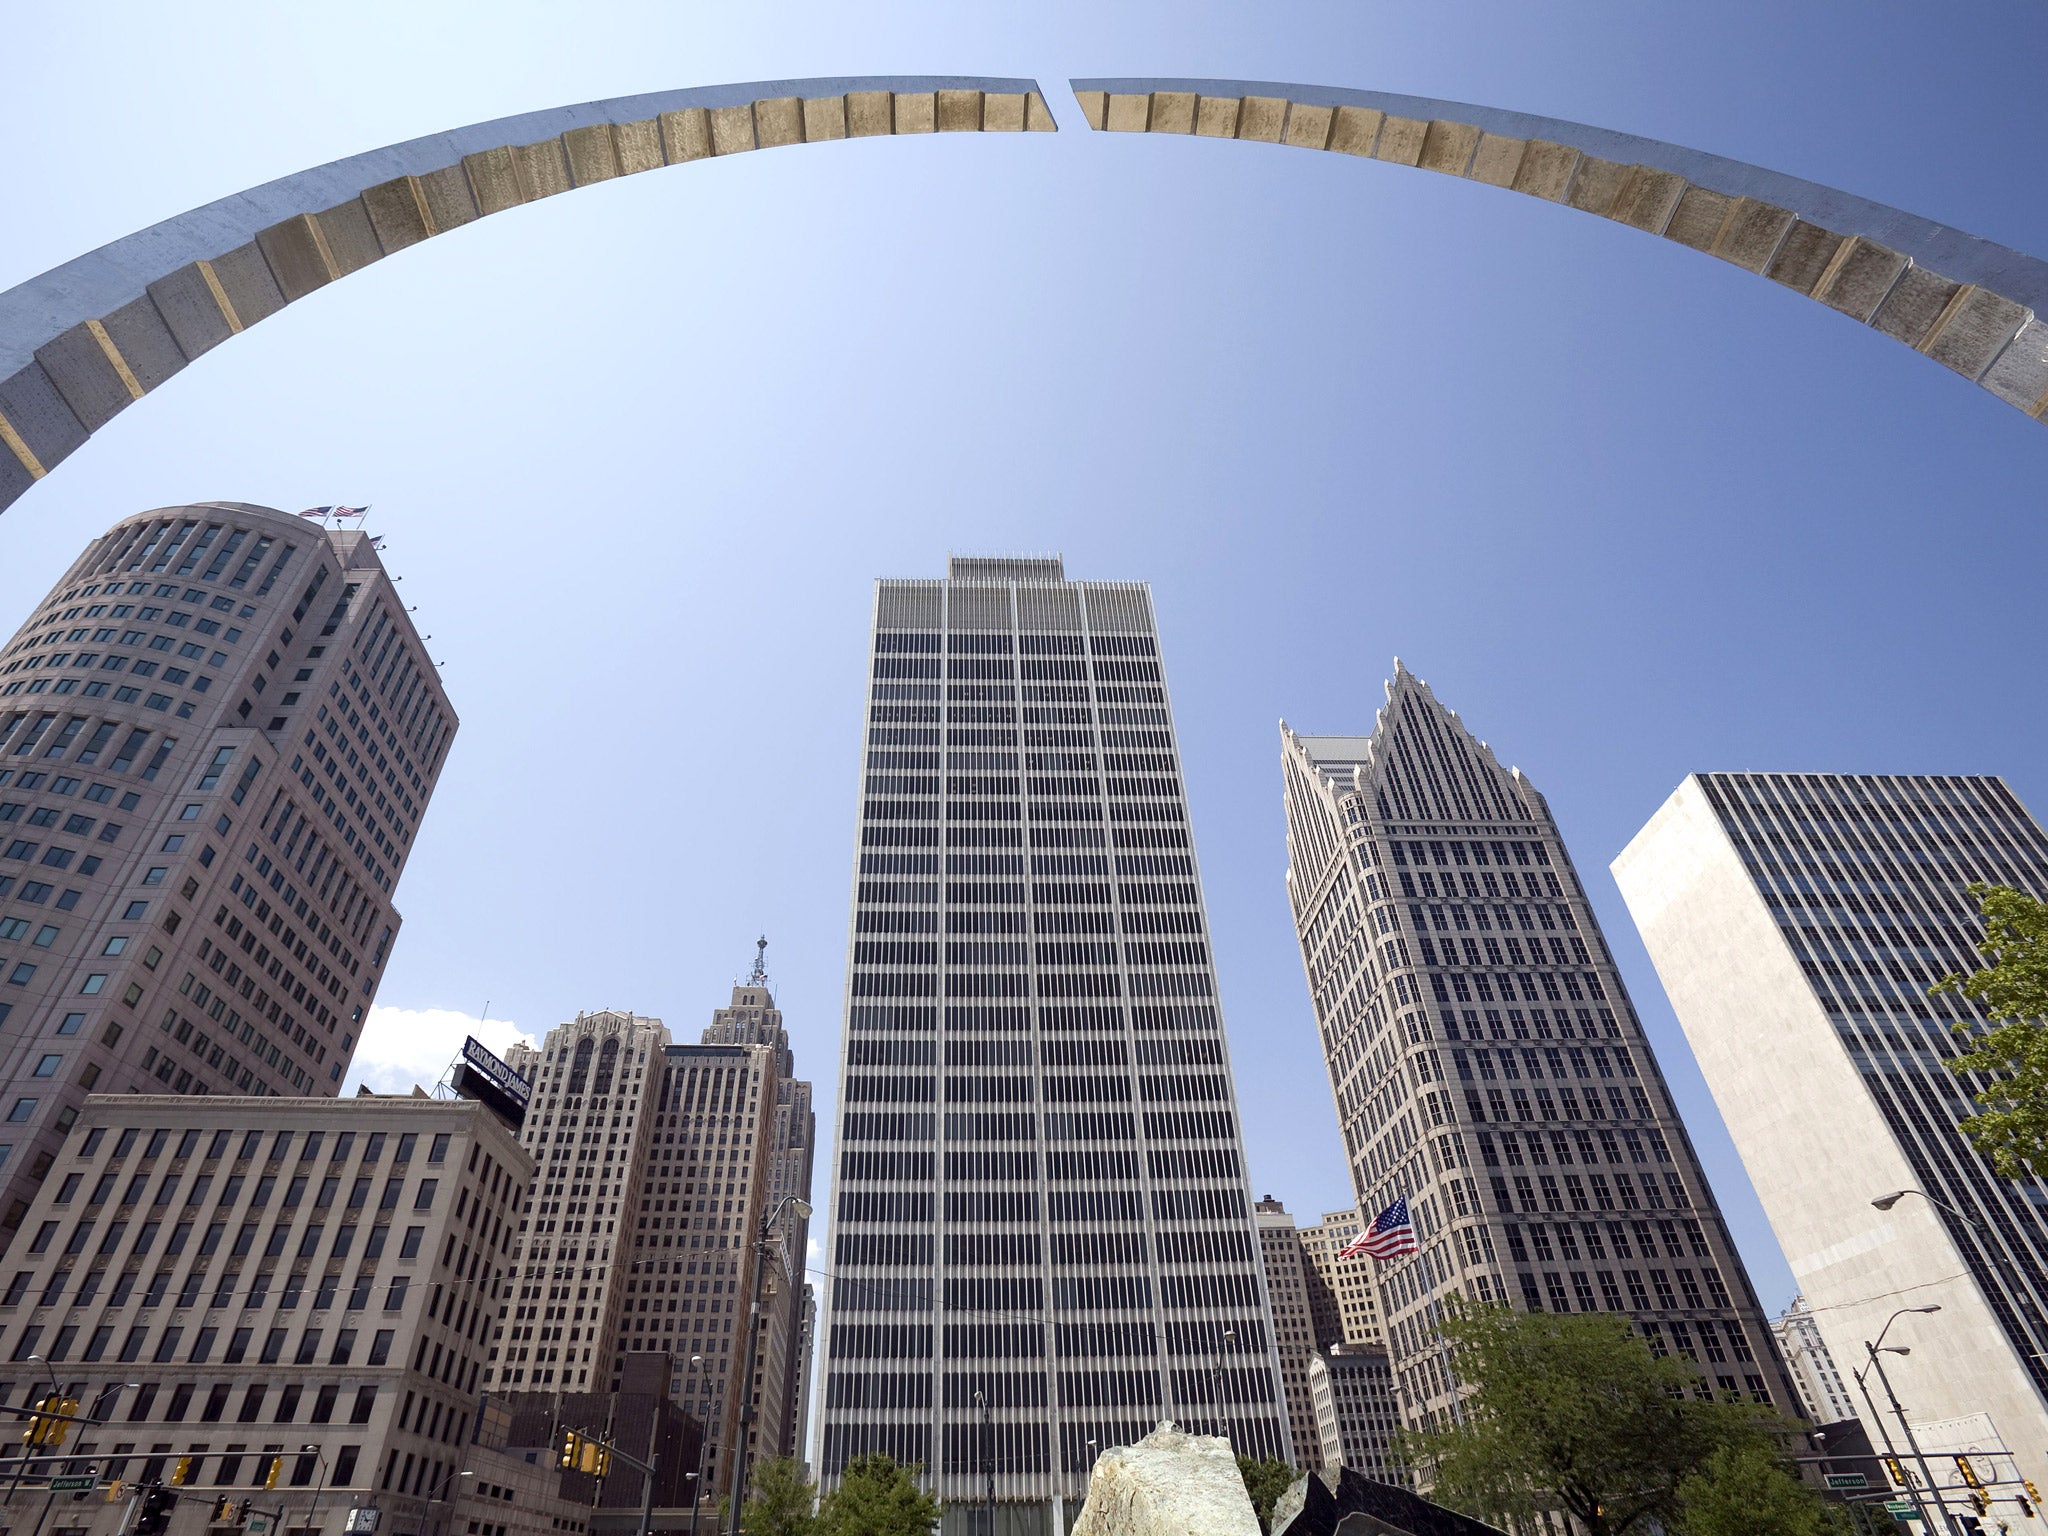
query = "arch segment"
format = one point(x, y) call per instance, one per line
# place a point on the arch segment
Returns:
point(85, 340)
point(1965, 302)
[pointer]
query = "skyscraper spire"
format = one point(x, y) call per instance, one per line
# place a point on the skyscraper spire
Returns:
point(760, 976)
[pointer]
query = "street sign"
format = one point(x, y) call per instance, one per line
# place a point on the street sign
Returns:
point(258, 1524)
point(1847, 1480)
point(361, 1520)
point(1905, 1509)
point(73, 1484)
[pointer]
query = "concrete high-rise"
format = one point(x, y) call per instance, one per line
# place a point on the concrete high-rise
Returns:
point(1040, 1203)
point(1356, 1413)
point(218, 734)
point(1821, 1388)
point(1341, 1295)
point(1797, 921)
point(1288, 1280)
point(1486, 1064)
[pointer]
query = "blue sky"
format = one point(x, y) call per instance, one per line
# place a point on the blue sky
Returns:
point(638, 452)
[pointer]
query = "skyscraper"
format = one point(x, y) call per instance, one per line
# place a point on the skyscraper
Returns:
point(1342, 1295)
point(1485, 1061)
point(218, 734)
point(1287, 1288)
point(1040, 1204)
point(1806, 1356)
point(1797, 921)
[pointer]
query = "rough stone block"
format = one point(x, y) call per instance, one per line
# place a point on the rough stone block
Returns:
point(1749, 236)
point(779, 120)
point(1173, 112)
point(191, 313)
point(917, 112)
point(398, 214)
point(1859, 277)
point(297, 255)
point(450, 199)
point(1916, 301)
point(543, 168)
point(732, 129)
point(1546, 170)
point(1448, 147)
point(1037, 115)
point(137, 331)
point(245, 278)
point(959, 112)
point(824, 118)
point(1002, 112)
point(1497, 160)
point(15, 476)
point(1400, 141)
point(1216, 117)
point(84, 375)
point(1129, 112)
point(1095, 108)
point(494, 179)
point(2020, 376)
point(1168, 1484)
point(1803, 256)
point(592, 154)
point(44, 424)
point(1647, 199)
point(686, 135)
point(639, 146)
point(1308, 125)
point(1260, 118)
point(1599, 184)
point(350, 240)
point(1973, 327)
point(1697, 219)
point(1356, 130)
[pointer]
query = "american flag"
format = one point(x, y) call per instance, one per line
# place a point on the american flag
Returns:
point(327, 512)
point(1390, 1236)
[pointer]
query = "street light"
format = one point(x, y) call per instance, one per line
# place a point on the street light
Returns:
point(1875, 1349)
point(1986, 1239)
point(802, 1207)
point(1216, 1377)
point(313, 1509)
point(988, 1467)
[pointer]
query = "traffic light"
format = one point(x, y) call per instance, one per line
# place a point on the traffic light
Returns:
point(2032, 1492)
point(276, 1466)
point(41, 1430)
point(242, 1513)
point(181, 1473)
point(572, 1450)
point(603, 1468)
point(223, 1512)
point(2026, 1507)
point(1970, 1477)
point(155, 1519)
point(1895, 1472)
point(1979, 1502)
point(114, 1491)
point(56, 1429)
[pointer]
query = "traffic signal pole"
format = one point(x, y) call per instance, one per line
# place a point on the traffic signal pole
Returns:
point(587, 1453)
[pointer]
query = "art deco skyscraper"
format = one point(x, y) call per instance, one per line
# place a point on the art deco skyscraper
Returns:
point(1798, 920)
point(1486, 1063)
point(218, 734)
point(1041, 1201)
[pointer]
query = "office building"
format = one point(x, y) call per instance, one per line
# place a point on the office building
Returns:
point(1341, 1298)
point(1822, 1392)
point(1351, 1398)
point(1486, 1064)
point(1287, 1288)
point(249, 1281)
point(218, 734)
point(1797, 921)
point(1040, 1197)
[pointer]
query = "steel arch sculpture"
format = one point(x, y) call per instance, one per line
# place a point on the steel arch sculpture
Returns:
point(85, 340)
point(1965, 302)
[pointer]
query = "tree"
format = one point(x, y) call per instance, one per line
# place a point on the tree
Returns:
point(1746, 1491)
point(1571, 1412)
point(779, 1500)
point(1265, 1481)
point(877, 1498)
point(2012, 1131)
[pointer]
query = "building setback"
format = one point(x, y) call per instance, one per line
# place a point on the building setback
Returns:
point(1486, 1064)
point(1797, 921)
point(1288, 1281)
point(218, 734)
point(274, 1274)
point(1040, 1201)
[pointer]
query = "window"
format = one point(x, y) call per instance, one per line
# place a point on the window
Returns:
point(380, 1352)
point(366, 1397)
point(70, 1025)
point(409, 1249)
point(24, 1109)
point(94, 985)
point(345, 1465)
point(394, 1298)
point(438, 1151)
point(424, 1199)
point(115, 945)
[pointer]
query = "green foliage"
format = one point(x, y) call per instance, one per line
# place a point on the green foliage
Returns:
point(1265, 1481)
point(1571, 1413)
point(779, 1500)
point(877, 1498)
point(1746, 1491)
point(2012, 1131)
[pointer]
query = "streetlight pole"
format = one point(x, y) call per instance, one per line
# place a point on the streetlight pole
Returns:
point(746, 1381)
point(703, 1444)
point(988, 1467)
point(1216, 1380)
point(313, 1509)
point(1905, 1425)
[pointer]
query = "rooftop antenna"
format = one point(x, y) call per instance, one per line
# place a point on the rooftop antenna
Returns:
point(760, 976)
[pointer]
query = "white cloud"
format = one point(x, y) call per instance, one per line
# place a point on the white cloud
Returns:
point(406, 1046)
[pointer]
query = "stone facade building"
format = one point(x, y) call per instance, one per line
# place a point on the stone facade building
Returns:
point(218, 734)
point(1486, 1064)
point(228, 1281)
point(1822, 1392)
point(1797, 921)
point(1356, 1413)
point(1341, 1297)
point(1288, 1288)
point(1040, 1200)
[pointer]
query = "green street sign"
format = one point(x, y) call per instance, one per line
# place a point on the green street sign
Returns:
point(1847, 1480)
point(73, 1484)
point(1905, 1509)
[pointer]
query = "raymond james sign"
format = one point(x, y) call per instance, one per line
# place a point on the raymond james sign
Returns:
point(483, 1077)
